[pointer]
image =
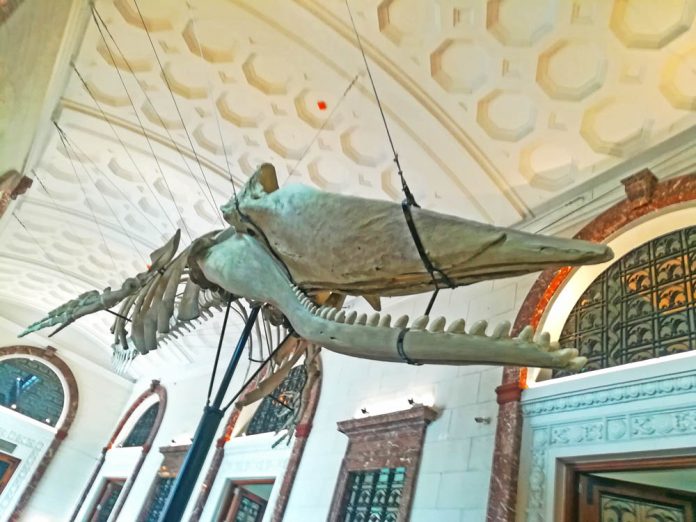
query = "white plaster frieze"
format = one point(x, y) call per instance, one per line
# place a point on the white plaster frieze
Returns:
point(661, 386)
point(612, 432)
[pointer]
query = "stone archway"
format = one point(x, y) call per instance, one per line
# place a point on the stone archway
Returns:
point(644, 195)
point(155, 389)
point(50, 356)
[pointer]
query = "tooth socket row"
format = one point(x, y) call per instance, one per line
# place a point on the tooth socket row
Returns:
point(437, 325)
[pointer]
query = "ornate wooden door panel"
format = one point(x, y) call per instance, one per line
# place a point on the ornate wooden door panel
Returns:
point(604, 500)
point(8, 465)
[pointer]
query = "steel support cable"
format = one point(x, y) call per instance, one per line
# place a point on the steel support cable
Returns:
point(215, 112)
point(323, 126)
point(125, 149)
point(77, 148)
point(100, 23)
point(113, 212)
point(408, 202)
point(48, 257)
point(258, 370)
point(216, 209)
point(218, 351)
point(63, 140)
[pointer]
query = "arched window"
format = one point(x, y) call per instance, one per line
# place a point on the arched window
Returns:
point(643, 306)
point(111, 481)
point(143, 427)
point(31, 388)
point(276, 408)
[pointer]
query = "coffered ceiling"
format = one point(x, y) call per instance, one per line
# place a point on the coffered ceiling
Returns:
point(497, 109)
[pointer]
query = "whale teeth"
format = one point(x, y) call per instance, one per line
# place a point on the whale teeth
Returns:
point(362, 319)
point(577, 363)
point(324, 311)
point(458, 327)
point(545, 341)
point(340, 317)
point(373, 320)
point(438, 325)
point(314, 309)
point(401, 322)
point(350, 319)
point(501, 330)
point(527, 333)
point(385, 321)
point(479, 328)
point(332, 313)
point(420, 323)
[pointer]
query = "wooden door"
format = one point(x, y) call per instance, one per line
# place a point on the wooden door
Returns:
point(8, 465)
point(106, 500)
point(243, 506)
point(605, 500)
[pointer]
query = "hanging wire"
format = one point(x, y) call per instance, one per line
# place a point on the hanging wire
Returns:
point(89, 176)
point(101, 24)
point(127, 198)
point(216, 209)
point(125, 149)
point(409, 200)
point(63, 139)
point(49, 258)
point(323, 126)
point(404, 186)
point(257, 371)
point(214, 111)
point(218, 351)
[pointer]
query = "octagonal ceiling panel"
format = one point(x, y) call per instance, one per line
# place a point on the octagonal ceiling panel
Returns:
point(496, 108)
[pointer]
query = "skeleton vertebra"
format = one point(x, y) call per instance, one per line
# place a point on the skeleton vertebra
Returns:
point(290, 246)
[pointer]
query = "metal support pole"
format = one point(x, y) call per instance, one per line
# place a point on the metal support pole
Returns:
point(205, 433)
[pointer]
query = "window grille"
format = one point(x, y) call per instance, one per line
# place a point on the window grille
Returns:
point(641, 307)
point(276, 409)
point(249, 510)
point(373, 495)
point(163, 486)
point(107, 501)
point(143, 426)
point(32, 389)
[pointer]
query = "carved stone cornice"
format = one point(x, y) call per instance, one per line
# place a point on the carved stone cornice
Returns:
point(613, 394)
point(417, 415)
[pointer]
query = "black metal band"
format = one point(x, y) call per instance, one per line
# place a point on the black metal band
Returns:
point(400, 348)
point(406, 207)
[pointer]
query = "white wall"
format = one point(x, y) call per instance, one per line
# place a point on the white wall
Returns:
point(457, 455)
point(102, 396)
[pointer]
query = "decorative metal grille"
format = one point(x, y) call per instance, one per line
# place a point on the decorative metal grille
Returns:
point(627, 509)
point(32, 389)
point(249, 511)
point(276, 409)
point(641, 307)
point(374, 495)
point(163, 486)
point(108, 501)
point(141, 431)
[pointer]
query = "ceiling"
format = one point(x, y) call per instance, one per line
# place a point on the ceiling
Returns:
point(499, 110)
